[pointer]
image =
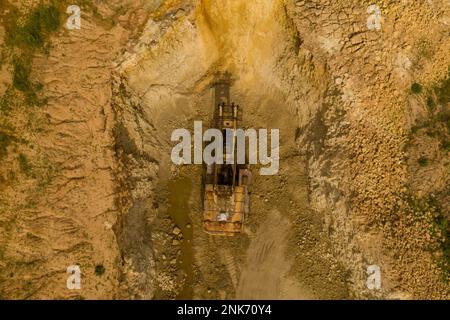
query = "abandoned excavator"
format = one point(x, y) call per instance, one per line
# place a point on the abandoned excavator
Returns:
point(226, 201)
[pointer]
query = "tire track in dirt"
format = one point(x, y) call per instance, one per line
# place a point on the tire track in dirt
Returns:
point(265, 273)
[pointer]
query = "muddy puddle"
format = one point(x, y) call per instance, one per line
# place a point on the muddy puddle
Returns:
point(178, 209)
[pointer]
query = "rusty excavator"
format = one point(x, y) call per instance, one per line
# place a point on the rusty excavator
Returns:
point(226, 198)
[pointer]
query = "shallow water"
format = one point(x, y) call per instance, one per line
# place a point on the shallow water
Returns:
point(179, 210)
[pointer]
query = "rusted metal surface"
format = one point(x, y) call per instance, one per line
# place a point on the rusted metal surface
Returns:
point(226, 199)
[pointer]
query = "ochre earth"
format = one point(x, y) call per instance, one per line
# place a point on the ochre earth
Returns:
point(86, 177)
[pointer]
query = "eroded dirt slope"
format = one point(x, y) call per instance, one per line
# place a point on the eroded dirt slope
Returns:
point(58, 189)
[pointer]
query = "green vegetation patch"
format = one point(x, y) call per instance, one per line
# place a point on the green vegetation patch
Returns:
point(25, 34)
point(24, 164)
point(7, 100)
point(442, 225)
point(99, 269)
point(440, 228)
point(438, 103)
point(442, 90)
point(21, 81)
point(423, 161)
point(445, 145)
point(5, 141)
point(21, 74)
point(36, 27)
point(416, 88)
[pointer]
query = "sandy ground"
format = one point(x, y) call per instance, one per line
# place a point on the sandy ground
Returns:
point(266, 267)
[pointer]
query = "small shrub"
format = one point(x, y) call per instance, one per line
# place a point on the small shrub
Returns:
point(431, 104)
point(445, 144)
point(99, 269)
point(416, 88)
point(415, 129)
point(423, 161)
point(7, 100)
point(22, 82)
point(443, 90)
point(21, 74)
point(24, 164)
point(444, 117)
point(5, 141)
